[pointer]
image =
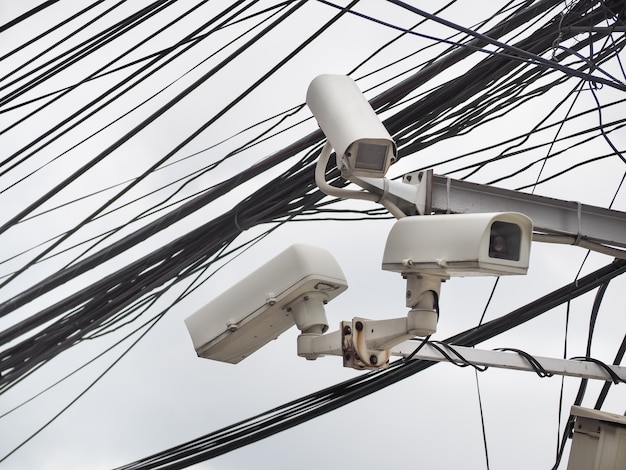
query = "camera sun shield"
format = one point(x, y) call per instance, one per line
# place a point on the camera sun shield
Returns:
point(460, 245)
point(363, 146)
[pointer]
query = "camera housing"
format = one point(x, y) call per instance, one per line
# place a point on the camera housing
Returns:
point(290, 289)
point(460, 244)
point(363, 146)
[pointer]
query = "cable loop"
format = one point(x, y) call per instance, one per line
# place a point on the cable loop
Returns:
point(579, 219)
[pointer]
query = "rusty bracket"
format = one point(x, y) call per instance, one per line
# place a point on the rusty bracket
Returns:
point(355, 352)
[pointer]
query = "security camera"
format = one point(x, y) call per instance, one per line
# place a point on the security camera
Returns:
point(290, 289)
point(460, 244)
point(363, 146)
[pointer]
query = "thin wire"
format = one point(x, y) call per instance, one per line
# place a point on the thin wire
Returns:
point(482, 420)
point(480, 400)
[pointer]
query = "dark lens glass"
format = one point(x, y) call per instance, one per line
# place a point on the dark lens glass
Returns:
point(370, 157)
point(505, 241)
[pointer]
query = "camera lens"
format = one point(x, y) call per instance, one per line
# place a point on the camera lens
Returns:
point(505, 241)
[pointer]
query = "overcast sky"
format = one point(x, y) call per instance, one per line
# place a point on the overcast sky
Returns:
point(161, 394)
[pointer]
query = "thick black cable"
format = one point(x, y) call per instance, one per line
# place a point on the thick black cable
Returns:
point(614, 377)
point(67, 20)
point(33, 11)
point(607, 385)
point(456, 358)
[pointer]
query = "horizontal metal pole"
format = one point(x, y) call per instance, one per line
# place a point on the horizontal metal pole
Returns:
point(509, 360)
point(554, 216)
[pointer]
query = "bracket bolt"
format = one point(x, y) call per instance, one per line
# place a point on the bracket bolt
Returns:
point(374, 359)
point(347, 330)
point(359, 326)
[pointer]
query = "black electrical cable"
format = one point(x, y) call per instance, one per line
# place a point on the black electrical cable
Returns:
point(47, 32)
point(456, 358)
point(33, 11)
point(534, 363)
point(614, 377)
point(607, 385)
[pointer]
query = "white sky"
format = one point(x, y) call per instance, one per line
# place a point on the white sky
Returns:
point(161, 394)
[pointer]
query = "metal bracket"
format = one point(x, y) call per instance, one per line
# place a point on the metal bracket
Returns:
point(549, 215)
point(413, 195)
point(356, 354)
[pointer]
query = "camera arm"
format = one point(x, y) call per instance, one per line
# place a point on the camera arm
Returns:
point(367, 344)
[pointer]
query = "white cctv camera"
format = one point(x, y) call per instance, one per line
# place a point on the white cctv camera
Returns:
point(290, 289)
point(460, 245)
point(363, 146)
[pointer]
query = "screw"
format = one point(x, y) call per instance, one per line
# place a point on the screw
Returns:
point(359, 326)
point(347, 330)
point(373, 359)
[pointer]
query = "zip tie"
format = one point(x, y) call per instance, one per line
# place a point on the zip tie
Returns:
point(237, 223)
point(448, 185)
point(579, 215)
point(556, 43)
point(385, 191)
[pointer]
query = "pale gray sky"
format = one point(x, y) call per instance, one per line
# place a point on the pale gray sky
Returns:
point(161, 394)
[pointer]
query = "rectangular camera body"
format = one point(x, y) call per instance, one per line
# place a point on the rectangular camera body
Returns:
point(256, 310)
point(460, 244)
point(363, 145)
